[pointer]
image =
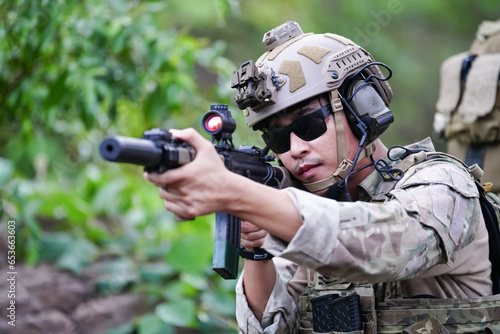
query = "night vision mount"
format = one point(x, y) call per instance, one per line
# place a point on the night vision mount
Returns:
point(251, 85)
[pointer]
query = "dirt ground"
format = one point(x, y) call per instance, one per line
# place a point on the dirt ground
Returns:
point(51, 301)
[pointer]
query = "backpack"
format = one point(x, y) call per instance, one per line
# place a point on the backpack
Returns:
point(468, 109)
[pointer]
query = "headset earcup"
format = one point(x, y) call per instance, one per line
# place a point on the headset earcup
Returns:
point(367, 107)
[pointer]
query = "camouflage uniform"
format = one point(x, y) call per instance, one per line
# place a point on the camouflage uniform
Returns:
point(425, 233)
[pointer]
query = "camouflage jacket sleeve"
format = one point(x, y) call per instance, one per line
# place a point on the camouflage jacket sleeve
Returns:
point(281, 314)
point(429, 216)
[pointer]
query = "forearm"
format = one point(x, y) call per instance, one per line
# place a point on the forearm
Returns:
point(368, 242)
point(280, 314)
point(266, 207)
point(259, 278)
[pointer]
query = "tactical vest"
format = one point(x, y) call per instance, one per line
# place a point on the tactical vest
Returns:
point(373, 309)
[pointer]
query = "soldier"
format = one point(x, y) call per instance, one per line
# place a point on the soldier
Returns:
point(371, 240)
point(468, 108)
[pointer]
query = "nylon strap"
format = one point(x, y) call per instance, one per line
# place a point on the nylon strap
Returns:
point(337, 108)
point(405, 312)
point(475, 154)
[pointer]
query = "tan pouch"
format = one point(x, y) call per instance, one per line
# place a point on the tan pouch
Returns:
point(480, 91)
point(449, 90)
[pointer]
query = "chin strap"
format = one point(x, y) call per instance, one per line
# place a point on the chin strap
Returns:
point(339, 175)
point(344, 164)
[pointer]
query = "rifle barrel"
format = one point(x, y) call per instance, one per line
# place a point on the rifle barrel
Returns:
point(130, 150)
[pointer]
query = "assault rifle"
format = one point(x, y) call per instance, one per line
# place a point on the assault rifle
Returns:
point(158, 152)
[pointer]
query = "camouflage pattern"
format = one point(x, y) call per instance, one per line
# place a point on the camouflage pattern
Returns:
point(422, 235)
point(471, 315)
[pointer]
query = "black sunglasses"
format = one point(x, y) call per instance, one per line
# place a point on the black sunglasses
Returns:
point(307, 128)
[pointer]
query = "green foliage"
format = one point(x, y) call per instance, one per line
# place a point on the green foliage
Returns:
point(72, 72)
point(16, 207)
point(152, 324)
point(65, 60)
point(178, 313)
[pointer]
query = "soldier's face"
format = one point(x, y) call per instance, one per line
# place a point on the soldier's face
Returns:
point(316, 159)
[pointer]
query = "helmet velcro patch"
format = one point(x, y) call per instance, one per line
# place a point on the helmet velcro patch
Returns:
point(293, 70)
point(313, 52)
point(341, 39)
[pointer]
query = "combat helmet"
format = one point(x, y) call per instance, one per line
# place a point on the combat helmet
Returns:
point(298, 66)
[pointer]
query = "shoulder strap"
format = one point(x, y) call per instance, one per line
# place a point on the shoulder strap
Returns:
point(492, 226)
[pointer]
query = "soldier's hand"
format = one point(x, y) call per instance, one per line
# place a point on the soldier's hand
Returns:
point(197, 188)
point(251, 236)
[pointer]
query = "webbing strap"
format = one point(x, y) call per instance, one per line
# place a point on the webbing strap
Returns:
point(339, 124)
point(448, 312)
point(492, 226)
point(475, 154)
point(428, 325)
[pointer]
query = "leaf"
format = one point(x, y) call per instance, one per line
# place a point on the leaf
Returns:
point(6, 171)
point(55, 92)
point(151, 324)
point(198, 281)
point(178, 313)
point(32, 251)
point(54, 245)
point(179, 290)
point(108, 196)
point(155, 272)
point(58, 203)
point(191, 253)
point(219, 302)
point(124, 329)
point(77, 256)
point(115, 275)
